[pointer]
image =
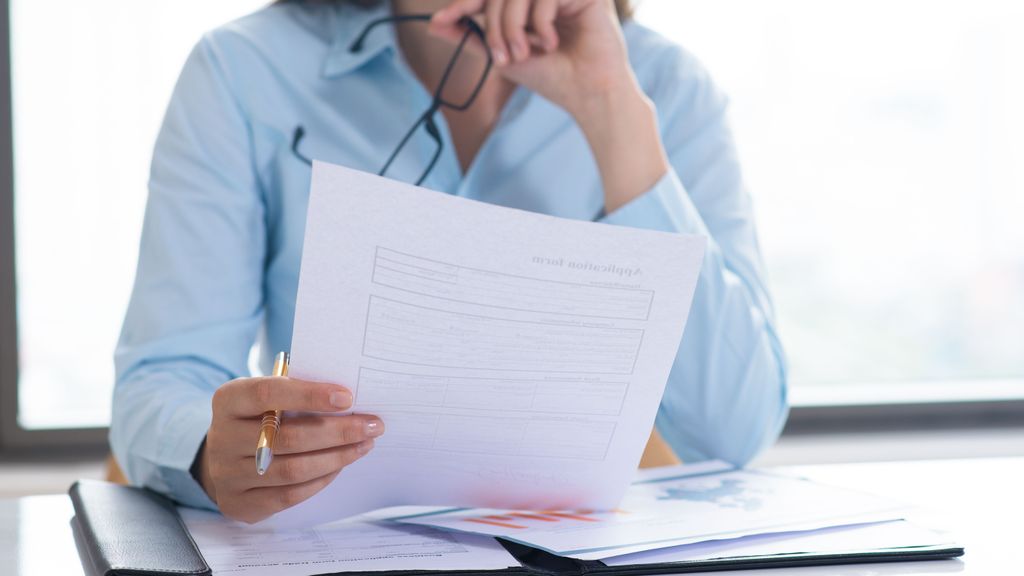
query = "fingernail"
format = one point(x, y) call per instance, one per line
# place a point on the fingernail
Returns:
point(341, 399)
point(374, 428)
point(499, 57)
point(364, 447)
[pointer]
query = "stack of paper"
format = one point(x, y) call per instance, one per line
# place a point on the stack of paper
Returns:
point(888, 535)
point(674, 506)
point(684, 514)
point(518, 361)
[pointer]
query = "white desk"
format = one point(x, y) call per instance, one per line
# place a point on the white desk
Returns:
point(981, 500)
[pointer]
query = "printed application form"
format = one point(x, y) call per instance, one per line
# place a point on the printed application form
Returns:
point(234, 548)
point(516, 359)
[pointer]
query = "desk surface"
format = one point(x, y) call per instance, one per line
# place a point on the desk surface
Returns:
point(981, 501)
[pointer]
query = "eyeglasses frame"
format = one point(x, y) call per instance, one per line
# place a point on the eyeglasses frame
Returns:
point(426, 119)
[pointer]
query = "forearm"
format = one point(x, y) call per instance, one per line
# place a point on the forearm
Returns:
point(726, 396)
point(621, 127)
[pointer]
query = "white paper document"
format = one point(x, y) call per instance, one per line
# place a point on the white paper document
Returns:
point(891, 535)
point(673, 506)
point(516, 359)
point(234, 548)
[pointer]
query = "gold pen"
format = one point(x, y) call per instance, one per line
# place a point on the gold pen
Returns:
point(271, 422)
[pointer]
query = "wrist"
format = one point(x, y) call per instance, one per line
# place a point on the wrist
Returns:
point(599, 109)
point(621, 127)
point(200, 471)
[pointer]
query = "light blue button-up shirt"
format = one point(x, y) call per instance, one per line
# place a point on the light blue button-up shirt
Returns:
point(219, 261)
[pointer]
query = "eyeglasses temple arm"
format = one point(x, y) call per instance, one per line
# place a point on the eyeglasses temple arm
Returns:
point(423, 118)
point(431, 128)
point(357, 44)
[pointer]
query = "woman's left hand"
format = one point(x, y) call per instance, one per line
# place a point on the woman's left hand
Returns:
point(568, 51)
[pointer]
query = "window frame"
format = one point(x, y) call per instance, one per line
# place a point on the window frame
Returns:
point(938, 415)
point(804, 419)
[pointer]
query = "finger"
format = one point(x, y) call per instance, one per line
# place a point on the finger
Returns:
point(513, 23)
point(260, 503)
point(451, 33)
point(300, 433)
point(536, 42)
point(446, 23)
point(300, 468)
point(542, 18)
point(495, 39)
point(311, 433)
point(451, 13)
point(248, 397)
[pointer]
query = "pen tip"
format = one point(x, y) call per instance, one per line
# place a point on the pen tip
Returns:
point(263, 458)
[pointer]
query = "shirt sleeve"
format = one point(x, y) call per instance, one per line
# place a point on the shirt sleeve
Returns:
point(726, 393)
point(197, 300)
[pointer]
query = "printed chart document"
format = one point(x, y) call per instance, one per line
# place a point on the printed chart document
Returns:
point(516, 359)
point(673, 506)
point(234, 548)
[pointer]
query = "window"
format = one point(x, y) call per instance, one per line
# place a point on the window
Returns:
point(88, 94)
point(883, 144)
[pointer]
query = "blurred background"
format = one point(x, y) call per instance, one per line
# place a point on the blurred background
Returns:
point(883, 143)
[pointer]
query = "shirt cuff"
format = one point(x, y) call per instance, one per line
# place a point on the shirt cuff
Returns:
point(190, 422)
point(665, 207)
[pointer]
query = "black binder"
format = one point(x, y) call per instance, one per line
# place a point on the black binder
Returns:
point(126, 531)
point(131, 531)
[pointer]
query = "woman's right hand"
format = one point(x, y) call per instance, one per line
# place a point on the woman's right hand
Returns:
point(310, 449)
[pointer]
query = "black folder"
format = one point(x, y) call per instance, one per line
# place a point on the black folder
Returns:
point(126, 531)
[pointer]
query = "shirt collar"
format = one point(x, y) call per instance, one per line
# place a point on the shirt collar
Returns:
point(349, 21)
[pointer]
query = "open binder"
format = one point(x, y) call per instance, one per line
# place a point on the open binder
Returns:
point(131, 531)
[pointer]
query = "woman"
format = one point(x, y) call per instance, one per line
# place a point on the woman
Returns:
point(581, 116)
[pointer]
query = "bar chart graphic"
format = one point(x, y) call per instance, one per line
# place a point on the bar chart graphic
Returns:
point(527, 520)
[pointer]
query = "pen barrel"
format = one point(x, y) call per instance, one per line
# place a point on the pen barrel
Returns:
point(270, 423)
point(268, 430)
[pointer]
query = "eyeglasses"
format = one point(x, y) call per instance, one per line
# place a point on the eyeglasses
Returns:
point(440, 98)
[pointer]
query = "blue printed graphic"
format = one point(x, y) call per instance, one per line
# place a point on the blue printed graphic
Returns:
point(727, 493)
